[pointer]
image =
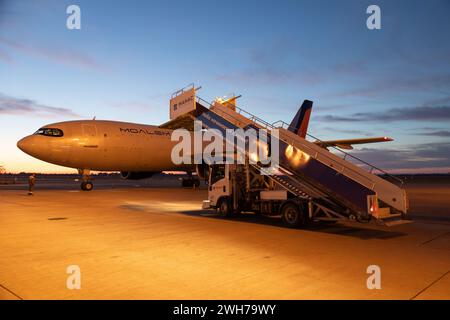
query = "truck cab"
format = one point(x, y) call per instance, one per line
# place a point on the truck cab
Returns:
point(234, 189)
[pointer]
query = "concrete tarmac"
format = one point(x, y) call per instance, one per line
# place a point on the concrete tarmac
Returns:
point(156, 243)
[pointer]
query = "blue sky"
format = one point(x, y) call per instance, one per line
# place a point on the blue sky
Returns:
point(130, 56)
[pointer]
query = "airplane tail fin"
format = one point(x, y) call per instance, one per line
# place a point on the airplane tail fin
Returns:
point(299, 124)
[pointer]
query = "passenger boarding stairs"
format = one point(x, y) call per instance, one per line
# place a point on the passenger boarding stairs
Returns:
point(337, 184)
point(324, 177)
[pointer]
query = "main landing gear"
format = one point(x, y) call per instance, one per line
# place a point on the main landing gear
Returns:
point(86, 183)
point(190, 181)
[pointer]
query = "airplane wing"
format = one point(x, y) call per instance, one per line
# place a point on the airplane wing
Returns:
point(347, 144)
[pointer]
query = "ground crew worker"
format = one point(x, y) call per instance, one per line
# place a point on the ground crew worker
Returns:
point(31, 183)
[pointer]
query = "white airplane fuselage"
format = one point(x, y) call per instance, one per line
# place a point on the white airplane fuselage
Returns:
point(101, 145)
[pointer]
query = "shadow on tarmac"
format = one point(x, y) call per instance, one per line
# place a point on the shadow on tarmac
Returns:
point(337, 228)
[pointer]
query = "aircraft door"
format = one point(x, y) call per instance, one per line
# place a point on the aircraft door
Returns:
point(90, 136)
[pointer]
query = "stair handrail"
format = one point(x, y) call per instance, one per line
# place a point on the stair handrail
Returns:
point(274, 125)
point(346, 154)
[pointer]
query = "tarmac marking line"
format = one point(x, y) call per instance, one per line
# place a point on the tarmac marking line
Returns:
point(430, 285)
point(15, 295)
point(435, 238)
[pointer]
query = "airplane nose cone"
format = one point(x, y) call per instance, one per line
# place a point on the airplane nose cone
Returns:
point(21, 144)
point(24, 145)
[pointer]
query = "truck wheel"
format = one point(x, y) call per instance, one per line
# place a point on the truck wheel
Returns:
point(225, 207)
point(292, 215)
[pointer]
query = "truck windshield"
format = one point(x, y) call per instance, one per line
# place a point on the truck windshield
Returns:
point(217, 173)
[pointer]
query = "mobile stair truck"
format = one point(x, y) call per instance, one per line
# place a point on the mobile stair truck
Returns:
point(310, 184)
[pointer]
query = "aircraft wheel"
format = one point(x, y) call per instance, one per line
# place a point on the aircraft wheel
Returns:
point(87, 186)
point(187, 183)
point(196, 183)
point(293, 216)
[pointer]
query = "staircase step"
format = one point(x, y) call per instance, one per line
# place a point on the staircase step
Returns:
point(397, 223)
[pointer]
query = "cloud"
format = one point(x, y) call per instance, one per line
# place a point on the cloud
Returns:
point(420, 113)
point(347, 131)
point(5, 56)
point(70, 58)
point(436, 133)
point(395, 83)
point(420, 156)
point(438, 101)
point(17, 106)
point(270, 65)
point(5, 10)
point(151, 102)
point(351, 68)
point(269, 76)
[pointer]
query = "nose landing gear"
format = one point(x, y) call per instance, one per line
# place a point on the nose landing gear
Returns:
point(86, 184)
point(189, 183)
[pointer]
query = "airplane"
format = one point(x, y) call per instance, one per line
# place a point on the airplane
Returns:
point(137, 151)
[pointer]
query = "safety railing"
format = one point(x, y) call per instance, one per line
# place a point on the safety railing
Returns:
point(284, 125)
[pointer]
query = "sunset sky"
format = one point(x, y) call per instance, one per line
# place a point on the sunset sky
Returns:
point(130, 56)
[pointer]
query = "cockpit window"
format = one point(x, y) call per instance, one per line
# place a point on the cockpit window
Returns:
point(50, 132)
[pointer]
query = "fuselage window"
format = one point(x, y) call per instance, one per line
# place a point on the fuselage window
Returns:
point(50, 132)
